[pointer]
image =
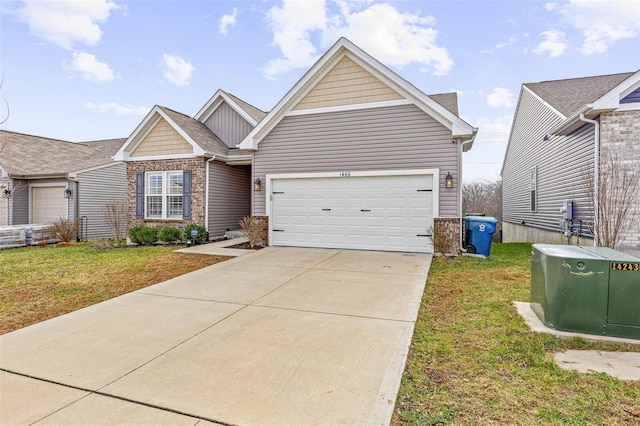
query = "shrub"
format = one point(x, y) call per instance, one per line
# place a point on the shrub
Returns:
point(169, 234)
point(200, 238)
point(63, 229)
point(252, 229)
point(143, 235)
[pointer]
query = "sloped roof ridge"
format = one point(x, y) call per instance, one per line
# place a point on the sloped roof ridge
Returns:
point(255, 113)
point(198, 132)
point(568, 95)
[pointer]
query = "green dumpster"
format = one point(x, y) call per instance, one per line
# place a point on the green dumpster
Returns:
point(592, 290)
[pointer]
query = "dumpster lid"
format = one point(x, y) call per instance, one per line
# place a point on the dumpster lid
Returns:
point(572, 252)
point(611, 254)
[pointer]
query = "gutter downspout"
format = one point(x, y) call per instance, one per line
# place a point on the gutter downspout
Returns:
point(469, 141)
point(206, 193)
point(596, 176)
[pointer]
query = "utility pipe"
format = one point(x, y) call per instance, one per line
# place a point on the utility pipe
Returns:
point(596, 177)
point(462, 249)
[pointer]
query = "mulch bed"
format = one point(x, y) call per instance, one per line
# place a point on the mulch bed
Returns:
point(245, 246)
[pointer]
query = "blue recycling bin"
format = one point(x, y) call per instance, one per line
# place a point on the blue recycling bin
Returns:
point(478, 234)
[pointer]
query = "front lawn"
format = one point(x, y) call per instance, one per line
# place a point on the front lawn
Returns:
point(41, 283)
point(473, 361)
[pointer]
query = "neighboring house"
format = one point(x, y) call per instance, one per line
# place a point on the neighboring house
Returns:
point(353, 156)
point(42, 179)
point(560, 132)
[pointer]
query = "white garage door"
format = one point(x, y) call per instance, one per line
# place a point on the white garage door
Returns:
point(47, 203)
point(391, 213)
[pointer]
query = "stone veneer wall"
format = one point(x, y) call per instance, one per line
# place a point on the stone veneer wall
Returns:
point(264, 236)
point(450, 226)
point(198, 181)
point(620, 136)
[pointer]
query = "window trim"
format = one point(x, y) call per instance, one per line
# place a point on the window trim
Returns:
point(164, 194)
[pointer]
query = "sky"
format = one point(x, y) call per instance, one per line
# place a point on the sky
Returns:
point(92, 69)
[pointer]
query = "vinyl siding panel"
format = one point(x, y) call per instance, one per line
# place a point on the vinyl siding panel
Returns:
point(95, 189)
point(562, 163)
point(347, 83)
point(229, 197)
point(163, 139)
point(632, 97)
point(228, 125)
point(391, 138)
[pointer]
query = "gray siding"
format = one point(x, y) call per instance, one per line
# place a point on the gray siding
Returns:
point(229, 197)
point(95, 188)
point(19, 203)
point(562, 162)
point(228, 125)
point(391, 138)
point(72, 202)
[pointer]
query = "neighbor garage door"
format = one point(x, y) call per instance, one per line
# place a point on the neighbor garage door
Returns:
point(47, 203)
point(392, 213)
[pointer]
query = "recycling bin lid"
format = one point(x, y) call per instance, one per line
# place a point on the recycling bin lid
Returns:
point(485, 219)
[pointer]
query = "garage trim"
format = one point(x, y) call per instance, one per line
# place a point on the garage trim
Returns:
point(435, 173)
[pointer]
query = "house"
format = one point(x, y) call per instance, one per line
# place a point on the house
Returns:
point(42, 179)
point(561, 134)
point(353, 156)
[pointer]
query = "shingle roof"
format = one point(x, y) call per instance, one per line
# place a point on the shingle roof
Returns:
point(447, 100)
point(567, 96)
point(197, 131)
point(254, 112)
point(29, 155)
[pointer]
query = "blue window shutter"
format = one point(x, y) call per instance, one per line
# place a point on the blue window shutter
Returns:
point(139, 195)
point(186, 194)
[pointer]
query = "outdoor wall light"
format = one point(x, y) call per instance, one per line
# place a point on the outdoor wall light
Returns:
point(6, 192)
point(448, 181)
point(257, 184)
point(67, 193)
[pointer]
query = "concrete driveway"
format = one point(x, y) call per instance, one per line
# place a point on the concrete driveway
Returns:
point(282, 336)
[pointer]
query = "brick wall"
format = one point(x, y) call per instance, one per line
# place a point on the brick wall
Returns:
point(198, 181)
point(620, 137)
point(264, 236)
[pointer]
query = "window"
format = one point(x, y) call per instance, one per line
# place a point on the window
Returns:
point(163, 195)
point(534, 188)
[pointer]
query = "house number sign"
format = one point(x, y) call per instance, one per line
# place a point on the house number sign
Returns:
point(345, 174)
point(617, 266)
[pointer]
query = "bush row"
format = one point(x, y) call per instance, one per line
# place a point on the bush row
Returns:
point(147, 235)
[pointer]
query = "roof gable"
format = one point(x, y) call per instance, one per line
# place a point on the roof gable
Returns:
point(197, 135)
point(247, 111)
point(323, 67)
point(347, 83)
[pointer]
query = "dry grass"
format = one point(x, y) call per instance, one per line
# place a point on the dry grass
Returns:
point(41, 283)
point(473, 361)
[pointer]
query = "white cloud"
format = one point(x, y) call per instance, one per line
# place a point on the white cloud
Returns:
point(501, 97)
point(117, 108)
point(550, 6)
point(89, 67)
point(602, 23)
point(554, 43)
point(66, 23)
point(394, 38)
point(176, 70)
point(227, 21)
point(494, 130)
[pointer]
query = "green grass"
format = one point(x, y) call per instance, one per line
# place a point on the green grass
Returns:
point(474, 361)
point(41, 283)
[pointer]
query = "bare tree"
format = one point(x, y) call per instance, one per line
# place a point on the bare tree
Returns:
point(5, 137)
point(615, 194)
point(484, 197)
point(115, 214)
point(252, 229)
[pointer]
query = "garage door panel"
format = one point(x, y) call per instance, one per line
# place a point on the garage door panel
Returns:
point(47, 203)
point(374, 212)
